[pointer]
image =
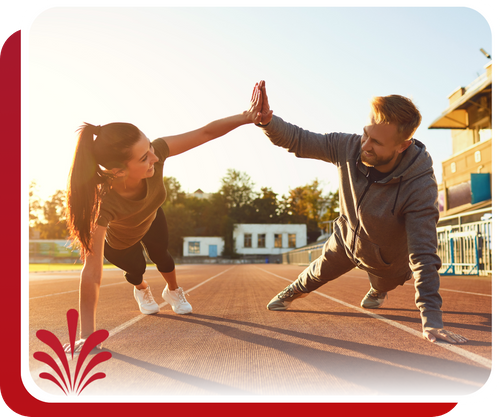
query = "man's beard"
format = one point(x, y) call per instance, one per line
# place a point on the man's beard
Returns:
point(375, 161)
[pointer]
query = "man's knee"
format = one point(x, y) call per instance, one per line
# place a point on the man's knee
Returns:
point(388, 284)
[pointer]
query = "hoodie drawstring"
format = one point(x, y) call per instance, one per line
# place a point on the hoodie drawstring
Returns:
point(397, 194)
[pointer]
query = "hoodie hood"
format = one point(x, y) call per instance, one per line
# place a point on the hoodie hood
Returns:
point(416, 162)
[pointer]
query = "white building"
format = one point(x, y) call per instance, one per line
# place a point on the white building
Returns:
point(268, 239)
point(200, 194)
point(203, 246)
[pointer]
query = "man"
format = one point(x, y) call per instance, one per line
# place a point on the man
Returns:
point(388, 213)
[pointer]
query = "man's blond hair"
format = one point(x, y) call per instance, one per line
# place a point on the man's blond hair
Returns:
point(399, 111)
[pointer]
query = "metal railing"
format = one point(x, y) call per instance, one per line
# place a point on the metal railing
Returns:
point(303, 256)
point(464, 249)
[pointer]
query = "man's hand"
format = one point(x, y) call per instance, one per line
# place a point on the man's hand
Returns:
point(433, 334)
point(253, 114)
point(266, 114)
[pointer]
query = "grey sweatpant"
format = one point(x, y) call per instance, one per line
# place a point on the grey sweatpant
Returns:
point(334, 263)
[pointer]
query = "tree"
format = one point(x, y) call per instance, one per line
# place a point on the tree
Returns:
point(34, 209)
point(237, 195)
point(330, 207)
point(54, 215)
point(307, 204)
point(237, 188)
point(266, 208)
point(174, 191)
point(180, 224)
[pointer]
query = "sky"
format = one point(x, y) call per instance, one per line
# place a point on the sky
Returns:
point(170, 70)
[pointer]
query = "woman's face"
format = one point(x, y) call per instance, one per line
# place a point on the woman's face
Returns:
point(143, 158)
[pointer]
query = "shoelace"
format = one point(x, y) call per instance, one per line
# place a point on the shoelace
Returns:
point(182, 297)
point(287, 292)
point(148, 297)
point(375, 294)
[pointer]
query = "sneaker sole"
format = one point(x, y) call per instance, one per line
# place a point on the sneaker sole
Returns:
point(372, 305)
point(277, 307)
point(179, 312)
point(176, 312)
point(149, 312)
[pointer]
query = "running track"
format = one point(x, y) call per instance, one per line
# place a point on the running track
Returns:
point(233, 347)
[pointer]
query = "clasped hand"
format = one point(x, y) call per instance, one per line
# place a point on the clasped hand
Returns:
point(259, 111)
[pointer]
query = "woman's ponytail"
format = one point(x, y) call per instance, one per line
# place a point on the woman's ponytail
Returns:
point(87, 181)
point(84, 189)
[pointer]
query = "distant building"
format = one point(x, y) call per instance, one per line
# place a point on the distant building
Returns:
point(199, 194)
point(250, 240)
point(465, 195)
point(466, 183)
point(211, 247)
point(268, 239)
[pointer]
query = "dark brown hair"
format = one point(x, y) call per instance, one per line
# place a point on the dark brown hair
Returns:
point(89, 179)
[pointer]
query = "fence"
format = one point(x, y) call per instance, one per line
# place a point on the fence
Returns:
point(464, 249)
point(303, 256)
point(44, 251)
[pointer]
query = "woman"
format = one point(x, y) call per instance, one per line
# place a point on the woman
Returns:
point(115, 190)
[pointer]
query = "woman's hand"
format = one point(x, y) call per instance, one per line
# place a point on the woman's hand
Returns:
point(90, 283)
point(78, 346)
point(254, 112)
point(266, 114)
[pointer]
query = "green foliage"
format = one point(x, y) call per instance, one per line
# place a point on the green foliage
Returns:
point(187, 215)
point(48, 220)
point(307, 205)
point(237, 202)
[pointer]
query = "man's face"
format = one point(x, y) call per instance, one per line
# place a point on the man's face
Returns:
point(381, 145)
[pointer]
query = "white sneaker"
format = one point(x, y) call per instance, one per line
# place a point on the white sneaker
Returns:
point(177, 300)
point(374, 299)
point(147, 303)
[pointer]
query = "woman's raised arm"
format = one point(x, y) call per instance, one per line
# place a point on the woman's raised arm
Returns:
point(181, 143)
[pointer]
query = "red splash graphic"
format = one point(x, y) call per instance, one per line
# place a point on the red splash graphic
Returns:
point(72, 385)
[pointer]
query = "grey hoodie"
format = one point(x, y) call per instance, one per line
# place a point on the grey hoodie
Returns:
point(389, 227)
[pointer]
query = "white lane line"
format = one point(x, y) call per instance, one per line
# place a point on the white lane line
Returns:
point(453, 348)
point(69, 292)
point(45, 368)
point(442, 289)
point(108, 285)
point(129, 323)
point(465, 292)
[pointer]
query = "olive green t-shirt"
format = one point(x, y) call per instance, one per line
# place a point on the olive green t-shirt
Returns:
point(127, 221)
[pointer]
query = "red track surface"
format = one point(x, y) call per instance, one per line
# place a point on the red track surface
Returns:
point(324, 347)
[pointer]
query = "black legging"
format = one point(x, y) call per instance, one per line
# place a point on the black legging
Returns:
point(132, 261)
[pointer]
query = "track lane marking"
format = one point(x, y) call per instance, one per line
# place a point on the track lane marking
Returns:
point(453, 348)
point(69, 292)
point(36, 372)
point(129, 323)
point(465, 292)
point(117, 283)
